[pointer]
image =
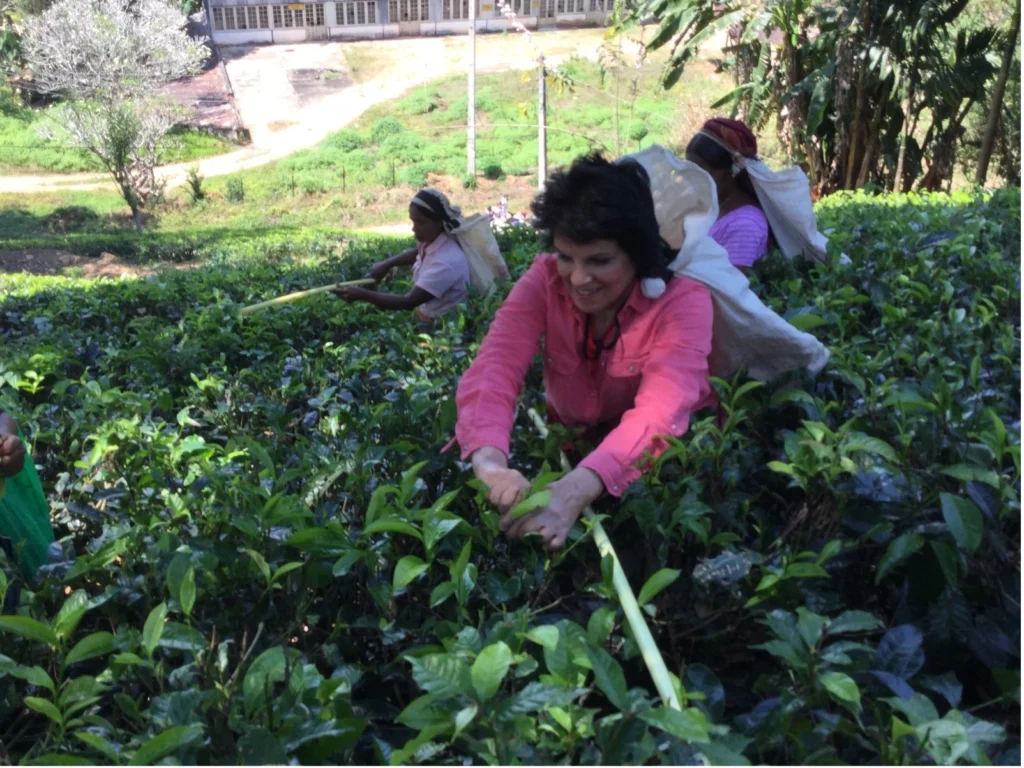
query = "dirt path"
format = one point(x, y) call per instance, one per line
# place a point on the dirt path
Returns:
point(53, 261)
point(291, 96)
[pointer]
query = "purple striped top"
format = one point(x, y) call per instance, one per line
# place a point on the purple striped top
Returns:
point(744, 235)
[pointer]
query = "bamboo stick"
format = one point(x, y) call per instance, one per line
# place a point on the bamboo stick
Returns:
point(648, 649)
point(290, 297)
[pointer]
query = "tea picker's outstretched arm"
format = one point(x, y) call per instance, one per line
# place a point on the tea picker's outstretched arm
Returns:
point(397, 301)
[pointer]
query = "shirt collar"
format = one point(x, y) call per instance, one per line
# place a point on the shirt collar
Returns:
point(439, 241)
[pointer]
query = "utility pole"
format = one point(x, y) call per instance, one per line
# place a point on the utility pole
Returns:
point(471, 111)
point(542, 120)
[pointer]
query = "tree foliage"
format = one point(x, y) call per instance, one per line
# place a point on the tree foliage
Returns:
point(107, 59)
point(860, 91)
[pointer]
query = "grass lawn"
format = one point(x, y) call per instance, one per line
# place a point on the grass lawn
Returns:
point(23, 149)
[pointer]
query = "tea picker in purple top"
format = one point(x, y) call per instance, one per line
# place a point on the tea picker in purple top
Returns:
point(742, 227)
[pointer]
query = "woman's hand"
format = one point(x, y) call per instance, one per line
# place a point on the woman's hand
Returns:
point(350, 293)
point(380, 269)
point(12, 455)
point(569, 496)
point(506, 487)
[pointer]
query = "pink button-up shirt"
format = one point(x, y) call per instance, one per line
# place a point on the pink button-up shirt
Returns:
point(648, 384)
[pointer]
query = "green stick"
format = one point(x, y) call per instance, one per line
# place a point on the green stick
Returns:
point(290, 297)
point(641, 633)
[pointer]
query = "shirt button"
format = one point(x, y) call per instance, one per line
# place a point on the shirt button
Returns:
point(631, 369)
point(593, 393)
point(615, 487)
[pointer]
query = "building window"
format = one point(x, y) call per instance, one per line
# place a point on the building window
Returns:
point(456, 9)
point(314, 15)
point(218, 18)
point(277, 16)
point(264, 18)
point(254, 21)
point(240, 17)
point(409, 10)
point(229, 18)
point(357, 12)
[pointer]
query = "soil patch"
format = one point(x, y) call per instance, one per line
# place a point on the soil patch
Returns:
point(52, 261)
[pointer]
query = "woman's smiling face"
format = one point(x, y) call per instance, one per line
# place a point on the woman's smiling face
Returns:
point(598, 275)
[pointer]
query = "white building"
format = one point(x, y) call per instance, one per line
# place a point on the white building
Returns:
point(256, 21)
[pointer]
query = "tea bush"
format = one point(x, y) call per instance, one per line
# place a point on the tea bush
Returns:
point(267, 556)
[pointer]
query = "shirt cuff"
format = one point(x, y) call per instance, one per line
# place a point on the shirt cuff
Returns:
point(480, 438)
point(613, 474)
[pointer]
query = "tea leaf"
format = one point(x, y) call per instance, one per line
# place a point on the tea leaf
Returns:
point(964, 520)
point(490, 669)
point(658, 582)
point(408, 569)
point(28, 628)
point(529, 504)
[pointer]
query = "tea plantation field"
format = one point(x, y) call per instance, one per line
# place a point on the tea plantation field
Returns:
point(267, 557)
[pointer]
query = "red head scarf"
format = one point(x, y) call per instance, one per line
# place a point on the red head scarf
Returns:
point(733, 133)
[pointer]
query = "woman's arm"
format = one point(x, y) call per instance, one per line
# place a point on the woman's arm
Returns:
point(674, 384)
point(399, 301)
point(487, 394)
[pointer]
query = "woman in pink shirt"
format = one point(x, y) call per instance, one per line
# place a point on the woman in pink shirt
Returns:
point(440, 271)
point(625, 346)
point(742, 228)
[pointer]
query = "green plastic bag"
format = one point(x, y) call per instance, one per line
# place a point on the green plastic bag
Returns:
point(25, 517)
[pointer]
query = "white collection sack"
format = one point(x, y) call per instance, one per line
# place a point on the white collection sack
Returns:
point(746, 334)
point(486, 265)
point(785, 198)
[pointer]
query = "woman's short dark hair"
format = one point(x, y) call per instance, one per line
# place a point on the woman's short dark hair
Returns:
point(598, 200)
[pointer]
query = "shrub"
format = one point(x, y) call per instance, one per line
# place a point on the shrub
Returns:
point(469, 181)
point(414, 176)
point(194, 185)
point(235, 190)
point(71, 218)
point(638, 133)
point(313, 186)
point(386, 126)
point(345, 140)
point(493, 172)
point(403, 147)
point(419, 103)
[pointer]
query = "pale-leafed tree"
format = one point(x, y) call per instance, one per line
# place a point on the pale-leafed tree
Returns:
point(108, 59)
